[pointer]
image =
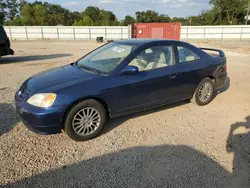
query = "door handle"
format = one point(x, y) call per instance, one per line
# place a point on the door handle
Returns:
point(172, 76)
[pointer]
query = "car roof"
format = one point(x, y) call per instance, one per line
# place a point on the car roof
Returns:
point(140, 42)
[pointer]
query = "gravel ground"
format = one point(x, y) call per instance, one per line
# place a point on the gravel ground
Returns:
point(180, 145)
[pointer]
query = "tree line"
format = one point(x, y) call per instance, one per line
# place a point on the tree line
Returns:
point(21, 12)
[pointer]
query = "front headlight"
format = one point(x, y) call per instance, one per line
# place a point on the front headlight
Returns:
point(43, 100)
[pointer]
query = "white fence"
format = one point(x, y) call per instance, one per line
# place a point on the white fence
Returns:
point(120, 32)
point(66, 32)
point(215, 32)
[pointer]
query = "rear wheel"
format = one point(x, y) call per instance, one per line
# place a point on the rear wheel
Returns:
point(85, 120)
point(204, 93)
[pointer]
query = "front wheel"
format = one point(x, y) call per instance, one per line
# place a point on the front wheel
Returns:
point(204, 93)
point(85, 120)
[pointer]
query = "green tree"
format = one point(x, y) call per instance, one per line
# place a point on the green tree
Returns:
point(22, 3)
point(27, 15)
point(13, 8)
point(248, 11)
point(184, 21)
point(57, 15)
point(210, 17)
point(20, 12)
point(100, 17)
point(228, 10)
point(93, 13)
point(3, 6)
point(40, 15)
point(128, 20)
point(17, 21)
point(106, 18)
point(73, 17)
point(85, 21)
point(164, 18)
point(151, 16)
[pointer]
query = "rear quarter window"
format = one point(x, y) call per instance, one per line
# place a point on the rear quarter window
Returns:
point(186, 55)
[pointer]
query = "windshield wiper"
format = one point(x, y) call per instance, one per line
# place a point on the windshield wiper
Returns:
point(89, 69)
point(92, 70)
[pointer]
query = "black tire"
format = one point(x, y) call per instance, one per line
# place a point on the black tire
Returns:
point(197, 100)
point(68, 124)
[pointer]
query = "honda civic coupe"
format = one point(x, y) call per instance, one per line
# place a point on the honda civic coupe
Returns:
point(118, 78)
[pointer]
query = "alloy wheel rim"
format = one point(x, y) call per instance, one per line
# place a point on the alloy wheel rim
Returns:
point(86, 121)
point(205, 92)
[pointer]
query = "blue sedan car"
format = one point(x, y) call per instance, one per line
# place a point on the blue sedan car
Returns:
point(116, 79)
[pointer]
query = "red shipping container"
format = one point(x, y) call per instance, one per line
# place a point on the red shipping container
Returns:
point(158, 30)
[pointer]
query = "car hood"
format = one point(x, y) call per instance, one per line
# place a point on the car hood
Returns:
point(55, 77)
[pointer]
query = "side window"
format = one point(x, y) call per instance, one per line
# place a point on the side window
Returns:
point(186, 55)
point(153, 58)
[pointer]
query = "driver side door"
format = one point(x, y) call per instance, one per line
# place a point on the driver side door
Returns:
point(153, 85)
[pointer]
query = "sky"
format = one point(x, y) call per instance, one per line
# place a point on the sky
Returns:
point(121, 8)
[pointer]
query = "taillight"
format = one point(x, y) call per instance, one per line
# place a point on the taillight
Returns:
point(225, 67)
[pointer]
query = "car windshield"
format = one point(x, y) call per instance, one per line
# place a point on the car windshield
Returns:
point(106, 58)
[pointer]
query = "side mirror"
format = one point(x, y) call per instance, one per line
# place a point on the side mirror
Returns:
point(129, 70)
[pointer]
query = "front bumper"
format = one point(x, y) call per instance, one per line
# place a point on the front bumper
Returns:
point(40, 120)
point(55, 129)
